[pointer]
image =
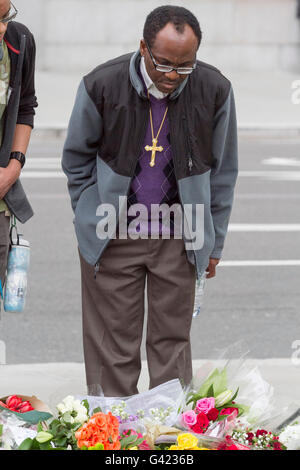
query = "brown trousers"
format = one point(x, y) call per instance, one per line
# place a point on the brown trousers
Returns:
point(113, 314)
point(4, 244)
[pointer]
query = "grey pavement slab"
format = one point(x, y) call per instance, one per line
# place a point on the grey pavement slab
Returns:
point(53, 381)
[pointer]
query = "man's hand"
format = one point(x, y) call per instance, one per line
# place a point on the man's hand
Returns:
point(211, 268)
point(8, 176)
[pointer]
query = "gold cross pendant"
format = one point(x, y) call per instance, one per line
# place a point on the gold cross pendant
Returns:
point(153, 149)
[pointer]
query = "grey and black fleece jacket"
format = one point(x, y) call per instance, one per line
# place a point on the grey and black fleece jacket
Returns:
point(104, 139)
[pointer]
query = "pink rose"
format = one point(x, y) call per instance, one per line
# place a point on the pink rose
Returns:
point(189, 418)
point(205, 405)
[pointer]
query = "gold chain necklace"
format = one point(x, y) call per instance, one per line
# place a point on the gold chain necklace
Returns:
point(154, 147)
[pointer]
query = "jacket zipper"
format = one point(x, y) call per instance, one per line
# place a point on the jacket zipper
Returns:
point(190, 163)
point(188, 144)
point(97, 264)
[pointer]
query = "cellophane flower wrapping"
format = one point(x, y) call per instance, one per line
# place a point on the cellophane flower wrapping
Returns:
point(286, 424)
point(152, 403)
point(230, 371)
point(14, 430)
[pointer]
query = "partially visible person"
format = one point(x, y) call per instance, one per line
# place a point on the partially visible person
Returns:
point(17, 103)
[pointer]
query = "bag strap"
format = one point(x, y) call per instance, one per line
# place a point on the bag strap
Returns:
point(13, 227)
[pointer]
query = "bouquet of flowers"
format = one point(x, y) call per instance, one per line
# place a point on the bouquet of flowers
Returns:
point(228, 407)
point(28, 409)
point(17, 404)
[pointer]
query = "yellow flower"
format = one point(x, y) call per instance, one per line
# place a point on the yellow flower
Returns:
point(187, 441)
point(198, 448)
point(133, 448)
point(174, 448)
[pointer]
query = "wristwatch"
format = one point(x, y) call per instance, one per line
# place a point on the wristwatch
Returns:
point(18, 156)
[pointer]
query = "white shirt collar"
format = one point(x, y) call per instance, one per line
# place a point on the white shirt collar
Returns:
point(149, 84)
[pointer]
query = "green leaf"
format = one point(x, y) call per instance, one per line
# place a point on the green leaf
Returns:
point(235, 395)
point(126, 441)
point(76, 426)
point(85, 403)
point(43, 437)
point(35, 445)
point(1, 429)
point(210, 392)
point(61, 442)
point(218, 379)
point(139, 441)
point(26, 445)
point(39, 427)
point(97, 410)
point(54, 427)
point(46, 446)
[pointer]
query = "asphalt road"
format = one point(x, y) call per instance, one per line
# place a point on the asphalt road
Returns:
point(255, 295)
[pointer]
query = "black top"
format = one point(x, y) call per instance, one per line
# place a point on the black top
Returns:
point(28, 99)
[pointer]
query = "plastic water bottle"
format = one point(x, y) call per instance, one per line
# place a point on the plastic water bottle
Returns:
point(199, 292)
point(16, 280)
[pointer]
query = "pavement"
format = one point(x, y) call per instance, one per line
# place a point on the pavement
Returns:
point(264, 103)
point(51, 382)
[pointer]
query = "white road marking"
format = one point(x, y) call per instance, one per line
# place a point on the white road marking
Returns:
point(42, 174)
point(281, 161)
point(280, 262)
point(43, 160)
point(267, 196)
point(264, 227)
point(41, 165)
point(272, 175)
point(44, 166)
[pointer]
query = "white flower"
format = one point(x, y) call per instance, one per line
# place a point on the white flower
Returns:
point(61, 408)
point(75, 408)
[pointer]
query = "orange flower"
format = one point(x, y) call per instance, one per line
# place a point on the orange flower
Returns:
point(101, 428)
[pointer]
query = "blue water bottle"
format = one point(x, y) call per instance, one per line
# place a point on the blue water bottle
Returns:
point(16, 279)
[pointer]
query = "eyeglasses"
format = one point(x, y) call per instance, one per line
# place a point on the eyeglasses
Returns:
point(10, 15)
point(168, 68)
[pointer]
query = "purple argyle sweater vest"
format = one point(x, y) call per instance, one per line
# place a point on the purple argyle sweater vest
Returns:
point(157, 184)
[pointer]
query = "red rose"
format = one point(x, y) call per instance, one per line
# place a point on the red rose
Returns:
point(260, 432)
point(13, 401)
point(230, 444)
point(24, 407)
point(201, 425)
point(276, 445)
point(227, 444)
point(212, 414)
point(250, 437)
point(228, 411)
